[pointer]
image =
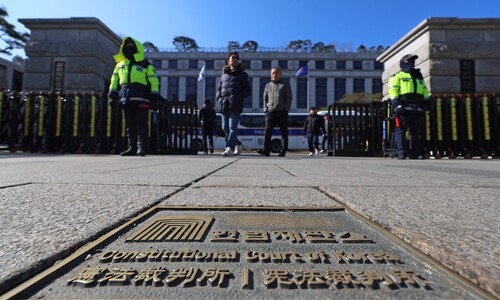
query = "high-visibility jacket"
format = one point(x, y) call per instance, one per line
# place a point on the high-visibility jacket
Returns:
point(409, 90)
point(143, 78)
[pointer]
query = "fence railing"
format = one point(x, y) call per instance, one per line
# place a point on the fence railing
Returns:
point(87, 123)
point(455, 126)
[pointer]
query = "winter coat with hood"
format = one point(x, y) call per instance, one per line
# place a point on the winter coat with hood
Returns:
point(233, 88)
point(133, 75)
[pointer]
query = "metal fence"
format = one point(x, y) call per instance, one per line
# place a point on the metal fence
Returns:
point(455, 126)
point(87, 123)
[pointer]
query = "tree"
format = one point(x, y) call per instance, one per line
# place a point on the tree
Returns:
point(372, 49)
point(233, 46)
point(150, 47)
point(380, 49)
point(185, 44)
point(295, 45)
point(329, 48)
point(361, 98)
point(250, 46)
point(9, 35)
point(306, 46)
point(318, 47)
point(361, 49)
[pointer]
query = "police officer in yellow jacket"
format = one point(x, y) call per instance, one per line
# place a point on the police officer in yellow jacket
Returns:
point(135, 84)
point(409, 96)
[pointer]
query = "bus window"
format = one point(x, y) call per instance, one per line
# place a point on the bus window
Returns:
point(252, 121)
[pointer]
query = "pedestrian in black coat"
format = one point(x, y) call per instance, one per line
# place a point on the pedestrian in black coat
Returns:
point(312, 127)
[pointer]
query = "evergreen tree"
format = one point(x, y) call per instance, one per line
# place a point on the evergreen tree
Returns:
point(9, 36)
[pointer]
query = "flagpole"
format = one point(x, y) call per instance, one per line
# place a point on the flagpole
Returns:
point(204, 78)
point(308, 103)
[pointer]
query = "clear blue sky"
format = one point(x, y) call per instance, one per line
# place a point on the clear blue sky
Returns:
point(212, 23)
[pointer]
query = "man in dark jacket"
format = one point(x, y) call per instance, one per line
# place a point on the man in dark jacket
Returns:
point(312, 126)
point(232, 90)
point(277, 103)
point(207, 119)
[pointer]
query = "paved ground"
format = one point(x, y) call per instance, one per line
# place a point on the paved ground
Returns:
point(53, 204)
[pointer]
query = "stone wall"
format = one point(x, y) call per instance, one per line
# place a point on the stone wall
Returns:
point(441, 44)
point(74, 54)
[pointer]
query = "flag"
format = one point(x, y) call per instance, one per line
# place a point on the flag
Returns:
point(302, 71)
point(202, 73)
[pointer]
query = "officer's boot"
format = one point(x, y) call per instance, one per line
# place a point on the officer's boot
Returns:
point(142, 144)
point(142, 130)
point(129, 152)
point(141, 151)
point(132, 144)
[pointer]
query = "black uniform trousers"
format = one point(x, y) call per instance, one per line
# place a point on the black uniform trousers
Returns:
point(208, 132)
point(273, 119)
point(136, 121)
point(411, 120)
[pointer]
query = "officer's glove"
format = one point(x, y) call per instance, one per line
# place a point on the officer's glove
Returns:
point(397, 108)
point(112, 97)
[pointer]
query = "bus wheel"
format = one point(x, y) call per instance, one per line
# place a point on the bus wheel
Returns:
point(275, 145)
point(197, 145)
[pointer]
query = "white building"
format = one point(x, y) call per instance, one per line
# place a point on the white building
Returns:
point(331, 75)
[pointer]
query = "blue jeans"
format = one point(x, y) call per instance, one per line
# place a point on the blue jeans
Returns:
point(230, 127)
point(312, 141)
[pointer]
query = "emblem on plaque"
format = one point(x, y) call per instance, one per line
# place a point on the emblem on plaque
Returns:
point(174, 229)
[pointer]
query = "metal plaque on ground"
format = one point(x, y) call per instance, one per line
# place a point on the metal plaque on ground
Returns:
point(224, 252)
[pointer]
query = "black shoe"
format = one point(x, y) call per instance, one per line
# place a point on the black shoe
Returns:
point(211, 150)
point(141, 152)
point(282, 154)
point(264, 152)
point(129, 152)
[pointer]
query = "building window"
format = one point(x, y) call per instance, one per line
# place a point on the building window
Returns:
point(210, 88)
point(340, 64)
point(377, 85)
point(156, 63)
point(246, 64)
point(467, 76)
point(193, 64)
point(266, 64)
point(378, 65)
point(173, 88)
point(340, 88)
point(191, 88)
point(209, 64)
point(247, 103)
point(320, 64)
point(303, 63)
point(283, 64)
point(172, 64)
point(302, 92)
point(321, 95)
point(357, 65)
point(359, 85)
